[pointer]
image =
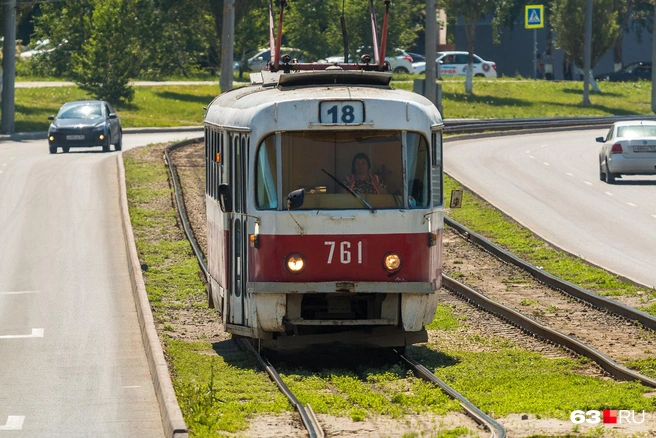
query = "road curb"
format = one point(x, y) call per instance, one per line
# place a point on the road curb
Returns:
point(172, 420)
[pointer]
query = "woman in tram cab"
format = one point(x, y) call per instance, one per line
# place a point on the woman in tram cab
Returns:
point(361, 179)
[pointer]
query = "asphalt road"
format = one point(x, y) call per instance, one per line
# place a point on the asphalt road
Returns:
point(550, 183)
point(71, 358)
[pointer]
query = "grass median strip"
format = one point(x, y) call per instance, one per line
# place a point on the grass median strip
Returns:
point(483, 218)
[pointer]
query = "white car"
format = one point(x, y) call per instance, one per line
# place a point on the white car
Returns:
point(455, 64)
point(401, 62)
point(629, 148)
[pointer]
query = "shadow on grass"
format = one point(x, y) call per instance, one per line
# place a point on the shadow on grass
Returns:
point(203, 100)
point(430, 358)
point(498, 101)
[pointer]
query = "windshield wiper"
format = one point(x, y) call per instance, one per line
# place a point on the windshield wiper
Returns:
point(348, 189)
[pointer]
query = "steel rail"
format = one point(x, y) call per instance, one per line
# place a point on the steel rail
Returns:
point(617, 308)
point(496, 429)
point(182, 210)
point(308, 417)
point(533, 327)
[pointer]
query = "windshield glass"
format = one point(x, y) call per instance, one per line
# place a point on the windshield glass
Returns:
point(331, 165)
point(93, 111)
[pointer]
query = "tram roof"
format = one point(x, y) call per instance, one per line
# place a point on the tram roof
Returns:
point(277, 88)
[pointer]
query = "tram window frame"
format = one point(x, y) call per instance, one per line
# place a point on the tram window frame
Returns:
point(271, 199)
point(424, 179)
point(437, 179)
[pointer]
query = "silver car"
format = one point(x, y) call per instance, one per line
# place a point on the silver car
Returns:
point(629, 149)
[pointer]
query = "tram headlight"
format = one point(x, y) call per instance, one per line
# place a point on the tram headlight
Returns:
point(295, 263)
point(392, 262)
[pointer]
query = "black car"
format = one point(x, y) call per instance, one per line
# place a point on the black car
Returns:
point(85, 123)
point(632, 72)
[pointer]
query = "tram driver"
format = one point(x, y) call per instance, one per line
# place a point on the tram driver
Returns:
point(361, 180)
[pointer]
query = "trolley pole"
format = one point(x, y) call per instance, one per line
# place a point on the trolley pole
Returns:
point(431, 49)
point(227, 45)
point(9, 67)
point(587, 54)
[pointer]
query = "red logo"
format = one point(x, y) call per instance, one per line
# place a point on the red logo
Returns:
point(610, 417)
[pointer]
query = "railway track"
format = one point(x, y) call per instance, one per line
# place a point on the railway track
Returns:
point(506, 313)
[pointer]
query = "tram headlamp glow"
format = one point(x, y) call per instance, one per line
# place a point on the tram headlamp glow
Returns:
point(295, 263)
point(392, 262)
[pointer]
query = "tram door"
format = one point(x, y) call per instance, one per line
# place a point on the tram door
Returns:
point(238, 243)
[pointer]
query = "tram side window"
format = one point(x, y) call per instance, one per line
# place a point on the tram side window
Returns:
point(436, 154)
point(266, 175)
point(417, 162)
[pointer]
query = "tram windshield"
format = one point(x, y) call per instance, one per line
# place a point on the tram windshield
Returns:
point(331, 165)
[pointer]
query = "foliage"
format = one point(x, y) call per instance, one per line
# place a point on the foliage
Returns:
point(108, 58)
point(568, 20)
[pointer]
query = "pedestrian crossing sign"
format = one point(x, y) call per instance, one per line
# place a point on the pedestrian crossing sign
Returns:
point(534, 17)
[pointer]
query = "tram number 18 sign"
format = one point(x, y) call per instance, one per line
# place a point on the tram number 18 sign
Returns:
point(334, 112)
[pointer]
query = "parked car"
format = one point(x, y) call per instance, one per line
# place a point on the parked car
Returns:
point(85, 123)
point(416, 57)
point(257, 60)
point(455, 64)
point(629, 148)
point(632, 72)
point(401, 62)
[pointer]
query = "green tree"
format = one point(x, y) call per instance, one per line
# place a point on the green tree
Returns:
point(472, 11)
point(568, 21)
point(109, 57)
point(63, 23)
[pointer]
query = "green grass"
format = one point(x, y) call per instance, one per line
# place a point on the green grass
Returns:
point(520, 98)
point(510, 380)
point(157, 106)
point(219, 393)
point(502, 98)
point(484, 219)
point(366, 393)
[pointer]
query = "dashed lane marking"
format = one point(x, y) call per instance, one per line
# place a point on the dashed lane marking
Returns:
point(608, 193)
point(588, 183)
point(36, 333)
point(631, 204)
point(546, 164)
point(132, 387)
point(569, 174)
point(531, 156)
point(14, 422)
point(20, 292)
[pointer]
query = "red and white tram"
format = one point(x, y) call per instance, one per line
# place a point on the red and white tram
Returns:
point(324, 207)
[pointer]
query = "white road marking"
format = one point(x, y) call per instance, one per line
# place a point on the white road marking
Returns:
point(133, 386)
point(608, 193)
point(569, 174)
point(654, 215)
point(631, 204)
point(14, 422)
point(20, 292)
point(528, 152)
point(546, 164)
point(36, 333)
point(588, 183)
point(531, 156)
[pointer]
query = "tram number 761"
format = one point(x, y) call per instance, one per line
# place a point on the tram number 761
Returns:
point(344, 252)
